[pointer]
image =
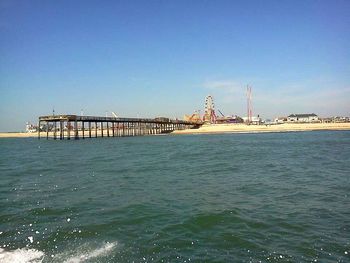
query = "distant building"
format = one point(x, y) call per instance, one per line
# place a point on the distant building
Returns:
point(303, 118)
point(340, 119)
point(281, 120)
point(254, 120)
point(31, 128)
point(334, 119)
point(229, 119)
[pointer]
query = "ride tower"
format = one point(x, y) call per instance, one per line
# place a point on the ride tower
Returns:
point(209, 114)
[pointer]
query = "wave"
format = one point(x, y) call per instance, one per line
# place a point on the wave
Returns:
point(29, 255)
point(98, 252)
point(21, 255)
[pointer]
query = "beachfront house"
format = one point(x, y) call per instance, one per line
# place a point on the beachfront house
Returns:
point(31, 128)
point(280, 119)
point(255, 120)
point(303, 118)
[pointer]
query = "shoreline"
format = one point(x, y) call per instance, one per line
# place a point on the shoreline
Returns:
point(226, 128)
point(18, 134)
point(285, 127)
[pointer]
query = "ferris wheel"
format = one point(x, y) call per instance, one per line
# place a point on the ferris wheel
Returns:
point(209, 115)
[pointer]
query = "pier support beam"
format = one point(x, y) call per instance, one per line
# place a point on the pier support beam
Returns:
point(63, 130)
point(76, 134)
point(83, 129)
point(54, 130)
point(47, 130)
point(68, 130)
point(60, 126)
point(39, 130)
point(107, 129)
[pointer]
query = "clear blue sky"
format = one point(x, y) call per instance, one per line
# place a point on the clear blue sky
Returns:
point(161, 58)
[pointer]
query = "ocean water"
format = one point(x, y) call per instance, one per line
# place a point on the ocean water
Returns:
point(277, 197)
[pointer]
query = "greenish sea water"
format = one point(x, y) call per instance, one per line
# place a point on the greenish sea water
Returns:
point(277, 197)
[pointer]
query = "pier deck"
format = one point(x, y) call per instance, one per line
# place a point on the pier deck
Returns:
point(74, 126)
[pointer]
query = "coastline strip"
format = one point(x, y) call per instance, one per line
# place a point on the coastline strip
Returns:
point(243, 128)
point(231, 128)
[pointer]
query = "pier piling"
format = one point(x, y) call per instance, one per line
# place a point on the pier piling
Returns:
point(116, 127)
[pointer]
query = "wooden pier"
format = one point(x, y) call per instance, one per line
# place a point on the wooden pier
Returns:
point(81, 127)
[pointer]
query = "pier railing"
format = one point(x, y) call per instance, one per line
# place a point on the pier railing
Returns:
point(75, 127)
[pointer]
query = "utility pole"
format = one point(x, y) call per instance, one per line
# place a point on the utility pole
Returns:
point(249, 104)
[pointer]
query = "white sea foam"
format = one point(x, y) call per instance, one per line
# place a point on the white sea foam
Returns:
point(28, 255)
point(21, 255)
point(102, 251)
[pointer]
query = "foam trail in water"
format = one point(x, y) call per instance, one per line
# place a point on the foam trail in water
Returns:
point(102, 251)
point(21, 255)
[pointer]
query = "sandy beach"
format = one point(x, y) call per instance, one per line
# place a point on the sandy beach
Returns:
point(243, 128)
point(43, 134)
point(18, 134)
point(51, 134)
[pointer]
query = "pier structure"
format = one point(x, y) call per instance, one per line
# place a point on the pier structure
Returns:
point(81, 127)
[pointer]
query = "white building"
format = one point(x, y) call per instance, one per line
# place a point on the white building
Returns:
point(280, 119)
point(303, 118)
point(255, 120)
point(30, 127)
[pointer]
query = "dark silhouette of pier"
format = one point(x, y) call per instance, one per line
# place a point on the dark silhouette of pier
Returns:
point(75, 127)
